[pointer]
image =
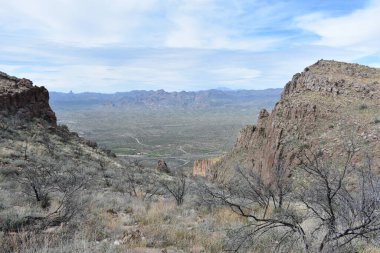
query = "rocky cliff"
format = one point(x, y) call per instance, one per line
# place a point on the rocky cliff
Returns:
point(18, 97)
point(204, 168)
point(324, 106)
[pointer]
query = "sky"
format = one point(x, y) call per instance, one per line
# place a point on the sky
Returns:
point(122, 45)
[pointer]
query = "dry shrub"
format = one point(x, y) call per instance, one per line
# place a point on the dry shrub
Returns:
point(155, 213)
point(371, 249)
point(225, 216)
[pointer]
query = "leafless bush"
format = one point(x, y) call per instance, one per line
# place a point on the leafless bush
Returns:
point(248, 196)
point(137, 181)
point(177, 188)
point(343, 200)
point(49, 145)
point(329, 206)
point(44, 182)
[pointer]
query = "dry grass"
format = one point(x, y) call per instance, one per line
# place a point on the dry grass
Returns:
point(155, 213)
point(370, 249)
point(225, 216)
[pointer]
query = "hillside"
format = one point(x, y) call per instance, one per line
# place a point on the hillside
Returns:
point(62, 193)
point(326, 106)
point(57, 189)
point(43, 166)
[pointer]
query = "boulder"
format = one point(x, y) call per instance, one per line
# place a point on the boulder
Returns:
point(162, 166)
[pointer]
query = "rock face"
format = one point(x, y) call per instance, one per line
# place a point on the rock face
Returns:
point(18, 97)
point(204, 168)
point(322, 106)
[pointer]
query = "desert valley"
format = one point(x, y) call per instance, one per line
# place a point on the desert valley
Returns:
point(189, 126)
point(304, 178)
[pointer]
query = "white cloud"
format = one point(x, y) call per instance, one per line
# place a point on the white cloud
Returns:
point(85, 23)
point(208, 24)
point(238, 78)
point(100, 77)
point(170, 69)
point(185, 34)
point(102, 45)
point(358, 31)
point(204, 24)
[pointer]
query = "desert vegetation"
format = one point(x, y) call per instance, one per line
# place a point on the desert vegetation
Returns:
point(319, 206)
point(304, 179)
point(100, 204)
point(61, 195)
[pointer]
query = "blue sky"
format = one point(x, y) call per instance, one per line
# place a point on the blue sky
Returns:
point(122, 45)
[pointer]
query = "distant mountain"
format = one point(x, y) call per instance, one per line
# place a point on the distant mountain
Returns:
point(161, 99)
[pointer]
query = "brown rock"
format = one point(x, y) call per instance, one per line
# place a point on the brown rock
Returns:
point(162, 166)
point(18, 97)
point(204, 168)
point(132, 236)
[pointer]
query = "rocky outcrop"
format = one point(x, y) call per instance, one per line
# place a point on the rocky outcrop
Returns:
point(162, 166)
point(18, 97)
point(318, 107)
point(335, 78)
point(204, 168)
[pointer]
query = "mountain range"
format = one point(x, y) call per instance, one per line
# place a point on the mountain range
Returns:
point(206, 99)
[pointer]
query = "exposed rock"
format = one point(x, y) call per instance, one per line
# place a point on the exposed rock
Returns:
point(318, 106)
point(162, 166)
point(132, 236)
point(203, 168)
point(18, 97)
point(90, 143)
point(334, 78)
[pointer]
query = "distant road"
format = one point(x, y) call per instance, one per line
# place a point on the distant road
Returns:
point(181, 149)
point(135, 138)
point(138, 141)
